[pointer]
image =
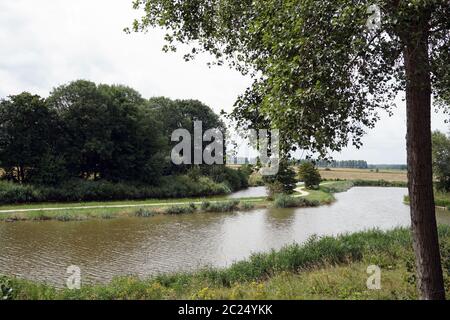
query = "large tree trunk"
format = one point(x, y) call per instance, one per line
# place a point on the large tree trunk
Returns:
point(420, 175)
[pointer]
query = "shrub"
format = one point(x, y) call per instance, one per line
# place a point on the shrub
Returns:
point(235, 179)
point(247, 206)
point(5, 288)
point(225, 206)
point(179, 210)
point(82, 190)
point(282, 182)
point(309, 175)
point(256, 180)
point(286, 201)
point(205, 205)
point(145, 213)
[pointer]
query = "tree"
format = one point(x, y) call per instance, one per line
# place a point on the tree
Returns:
point(27, 131)
point(322, 69)
point(309, 175)
point(441, 160)
point(283, 182)
point(108, 133)
point(181, 114)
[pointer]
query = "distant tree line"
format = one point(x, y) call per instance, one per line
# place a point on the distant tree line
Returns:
point(89, 131)
point(353, 164)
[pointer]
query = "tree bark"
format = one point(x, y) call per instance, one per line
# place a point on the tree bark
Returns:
point(420, 174)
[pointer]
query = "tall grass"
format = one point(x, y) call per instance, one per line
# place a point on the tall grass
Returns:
point(386, 249)
point(287, 201)
point(223, 206)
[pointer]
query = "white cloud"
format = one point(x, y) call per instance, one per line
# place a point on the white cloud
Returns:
point(46, 43)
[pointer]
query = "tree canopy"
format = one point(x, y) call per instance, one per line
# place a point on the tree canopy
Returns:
point(321, 75)
point(96, 132)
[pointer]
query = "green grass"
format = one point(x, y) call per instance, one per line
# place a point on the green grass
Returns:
point(326, 268)
point(441, 199)
point(286, 201)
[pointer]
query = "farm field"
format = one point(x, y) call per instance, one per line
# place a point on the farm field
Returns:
point(363, 174)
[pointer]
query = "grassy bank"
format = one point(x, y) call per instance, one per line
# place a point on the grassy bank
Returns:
point(326, 268)
point(141, 211)
point(441, 199)
point(151, 207)
point(147, 208)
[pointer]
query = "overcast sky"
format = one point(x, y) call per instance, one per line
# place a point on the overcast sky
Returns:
point(46, 43)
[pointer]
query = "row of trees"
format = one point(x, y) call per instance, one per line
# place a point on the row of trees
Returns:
point(352, 164)
point(89, 131)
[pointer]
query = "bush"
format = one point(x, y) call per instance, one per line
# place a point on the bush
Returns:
point(235, 179)
point(256, 180)
point(145, 213)
point(282, 182)
point(247, 206)
point(5, 289)
point(205, 205)
point(225, 206)
point(82, 190)
point(309, 175)
point(16, 193)
point(180, 210)
point(286, 201)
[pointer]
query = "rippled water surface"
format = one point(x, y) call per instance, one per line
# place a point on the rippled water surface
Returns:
point(107, 248)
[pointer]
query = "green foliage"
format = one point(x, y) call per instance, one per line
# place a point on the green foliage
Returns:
point(180, 210)
point(223, 206)
point(282, 182)
point(235, 179)
point(82, 190)
point(28, 134)
point(101, 133)
point(309, 174)
point(256, 180)
point(6, 292)
point(120, 141)
point(379, 183)
point(319, 64)
point(247, 206)
point(286, 201)
point(145, 213)
point(441, 160)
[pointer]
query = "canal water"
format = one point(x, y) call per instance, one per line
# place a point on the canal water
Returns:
point(42, 251)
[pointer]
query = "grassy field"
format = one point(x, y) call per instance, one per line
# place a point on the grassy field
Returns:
point(326, 268)
point(363, 174)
